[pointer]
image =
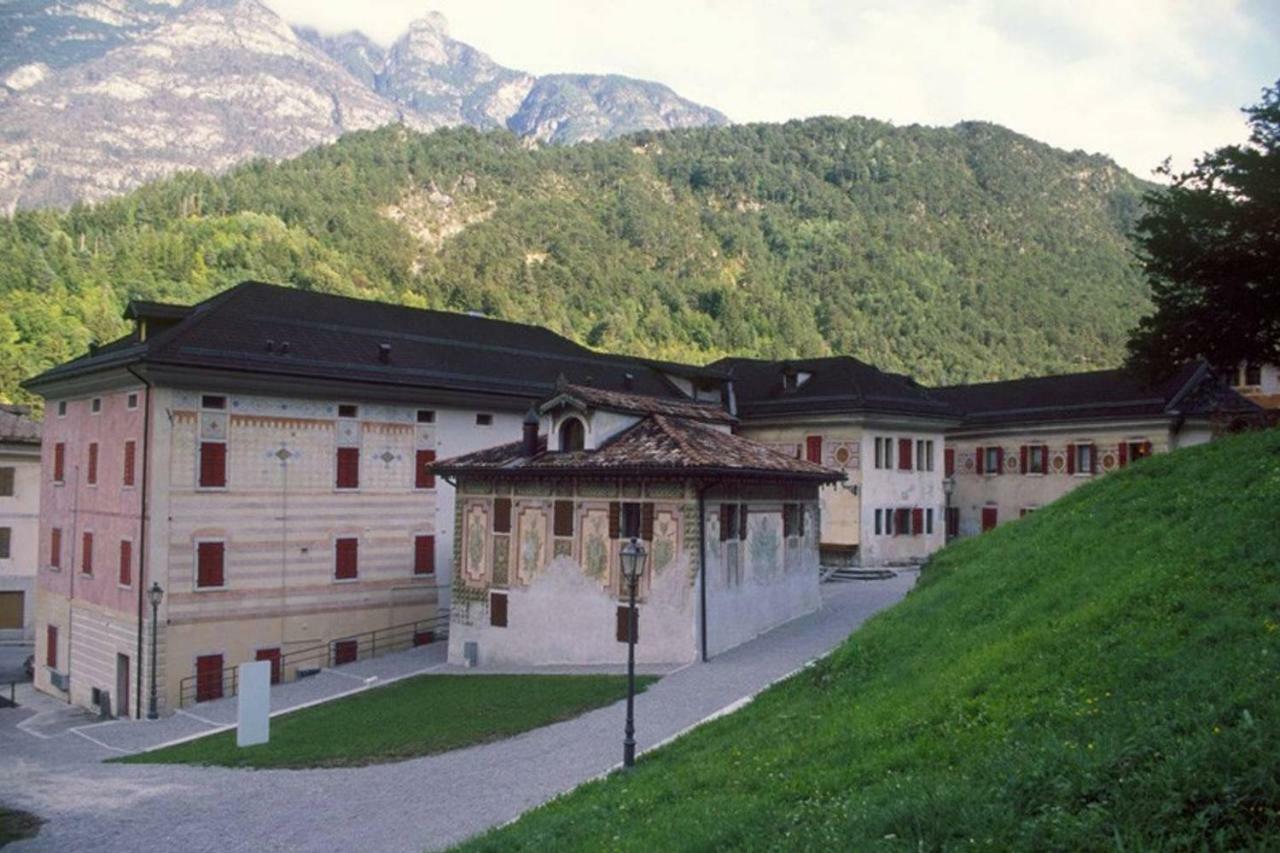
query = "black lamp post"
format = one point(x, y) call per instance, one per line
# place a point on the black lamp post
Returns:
point(154, 595)
point(948, 489)
point(632, 556)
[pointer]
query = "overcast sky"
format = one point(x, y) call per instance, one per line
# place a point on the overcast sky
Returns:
point(1136, 79)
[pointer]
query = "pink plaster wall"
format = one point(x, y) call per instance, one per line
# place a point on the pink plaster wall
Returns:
point(109, 509)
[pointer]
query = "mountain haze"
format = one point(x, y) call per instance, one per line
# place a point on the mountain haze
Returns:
point(99, 96)
point(951, 254)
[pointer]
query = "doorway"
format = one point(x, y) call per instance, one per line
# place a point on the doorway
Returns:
point(122, 685)
point(990, 517)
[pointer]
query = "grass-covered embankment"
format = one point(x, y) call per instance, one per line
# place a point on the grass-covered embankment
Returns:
point(1102, 674)
point(417, 716)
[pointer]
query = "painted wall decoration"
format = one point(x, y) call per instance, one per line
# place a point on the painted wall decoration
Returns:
point(764, 542)
point(502, 560)
point(476, 523)
point(1058, 461)
point(967, 461)
point(595, 543)
point(843, 454)
point(532, 539)
point(666, 538)
point(1011, 461)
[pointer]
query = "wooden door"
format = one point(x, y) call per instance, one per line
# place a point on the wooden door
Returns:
point(11, 604)
point(208, 677)
point(990, 517)
point(272, 655)
point(122, 685)
point(346, 651)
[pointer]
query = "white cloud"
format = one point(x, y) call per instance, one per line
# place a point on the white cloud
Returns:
point(1136, 79)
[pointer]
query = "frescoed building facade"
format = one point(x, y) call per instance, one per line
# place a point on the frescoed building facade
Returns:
point(19, 521)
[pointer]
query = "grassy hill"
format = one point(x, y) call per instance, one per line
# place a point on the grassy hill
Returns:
point(958, 253)
point(1103, 674)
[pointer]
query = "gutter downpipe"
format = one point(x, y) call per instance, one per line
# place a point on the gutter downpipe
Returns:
point(702, 565)
point(142, 530)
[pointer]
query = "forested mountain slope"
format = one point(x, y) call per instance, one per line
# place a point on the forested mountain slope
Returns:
point(953, 254)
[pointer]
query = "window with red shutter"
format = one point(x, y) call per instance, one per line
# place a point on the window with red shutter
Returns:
point(1093, 459)
point(627, 623)
point(424, 555)
point(86, 553)
point(130, 449)
point(498, 609)
point(980, 458)
point(91, 476)
point(1071, 458)
point(126, 562)
point(901, 522)
point(646, 522)
point(213, 465)
point(348, 468)
point(210, 568)
point(990, 517)
point(51, 646)
point(1123, 452)
point(999, 461)
point(345, 556)
point(208, 678)
point(917, 521)
point(423, 478)
point(949, 462)
point(59, 462)
point(502, 515)
point(346, 651)
point(563, 518)
point(813, 449)
point(1022, 461)
point(904, 454)
point(55, 547)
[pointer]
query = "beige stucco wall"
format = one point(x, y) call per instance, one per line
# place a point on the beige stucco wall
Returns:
point(20, 513)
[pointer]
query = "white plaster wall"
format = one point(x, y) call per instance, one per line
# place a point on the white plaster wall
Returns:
point(566, 617)
point(21, 514)
point(890, 488)
point(778, 579)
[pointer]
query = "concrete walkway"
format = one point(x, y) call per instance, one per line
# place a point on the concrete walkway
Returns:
point(427, 802)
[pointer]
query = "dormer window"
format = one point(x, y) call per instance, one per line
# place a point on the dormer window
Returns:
point(573, 435)
point(793, 379)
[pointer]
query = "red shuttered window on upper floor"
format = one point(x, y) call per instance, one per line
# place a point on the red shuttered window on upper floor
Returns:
point(904, 454)
point(126, 563)
point(210, 565)
point(91, 476)
point(86, 553)
point(422, 477)
point(51, 646)
point(59, 462)
point(424, 555)
point(346, 553)
point(348, 476)
point(813, 449)
point(949, 462)
point(55, 547)
point(213, 465)
point(130, 451)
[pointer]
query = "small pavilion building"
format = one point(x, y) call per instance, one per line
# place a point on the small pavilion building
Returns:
point(730, 527)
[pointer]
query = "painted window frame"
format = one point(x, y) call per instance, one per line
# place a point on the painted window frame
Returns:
point(338, 539)
point(195, 566)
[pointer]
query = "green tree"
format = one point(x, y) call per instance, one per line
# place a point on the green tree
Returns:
point(1211, 247)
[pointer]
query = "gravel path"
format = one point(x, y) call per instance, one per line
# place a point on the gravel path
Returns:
point(427, 802)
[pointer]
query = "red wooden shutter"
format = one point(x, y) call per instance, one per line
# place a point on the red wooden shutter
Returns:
point(1093, 458)
point(59, 462)
point(990, 517)
point(1023, 460)
point(1071, 458)
point(213, 464)
point(949, 462)
point(813, 448)
point(348, 468)
point(917, 521)
point(1124, 453)
point(563, 518)
point(86, 553)
point(627, 623)
point(129, 450)
point(423, 478)
point(92, 477)
point(346, 651)
point(55, 547)
point(498, 609)
point(272, 655)
point(424, 555)
point(345, 558)
point(126, 562)
point(999, 461)
point(51, 647)
point(502, 515)
point(615, 520)
point(904, 454)
point(982, 459)
point(208, 677)
point(209, 564)
point(646, 522)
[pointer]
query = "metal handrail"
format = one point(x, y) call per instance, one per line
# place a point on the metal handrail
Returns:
point(369, 644)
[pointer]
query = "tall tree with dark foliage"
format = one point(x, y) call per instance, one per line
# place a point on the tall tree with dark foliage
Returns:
point(1211, 246)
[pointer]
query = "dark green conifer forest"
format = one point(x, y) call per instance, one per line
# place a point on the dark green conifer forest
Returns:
point(952, 254)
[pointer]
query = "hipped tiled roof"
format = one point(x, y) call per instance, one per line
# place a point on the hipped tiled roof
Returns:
point(639, 404)
point(658, 445)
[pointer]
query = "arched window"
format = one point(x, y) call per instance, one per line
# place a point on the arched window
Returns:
point(573, 435)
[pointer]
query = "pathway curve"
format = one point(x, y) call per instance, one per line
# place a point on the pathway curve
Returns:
point(429, 802)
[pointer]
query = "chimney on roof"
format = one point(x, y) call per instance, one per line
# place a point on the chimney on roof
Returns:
point(384, 353)
point(271, 345)
point(529, 447)
point(628, 380)
point(93, 347)
point(284, 347)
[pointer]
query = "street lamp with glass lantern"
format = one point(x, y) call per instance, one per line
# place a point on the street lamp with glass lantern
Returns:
point(154, 595)
point(632, 558)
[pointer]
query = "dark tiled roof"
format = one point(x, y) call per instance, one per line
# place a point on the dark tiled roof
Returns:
point(659, 446)
point(17, 426)
point(639, 404)
point(836, 384)
point(334, 337)
point(1191, 390)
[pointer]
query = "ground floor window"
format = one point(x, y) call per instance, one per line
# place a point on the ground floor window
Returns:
point(208, 677)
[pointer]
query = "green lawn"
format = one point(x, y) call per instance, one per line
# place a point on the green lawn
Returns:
point(417, 716)
point(1103, 674)
point(16, 825)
